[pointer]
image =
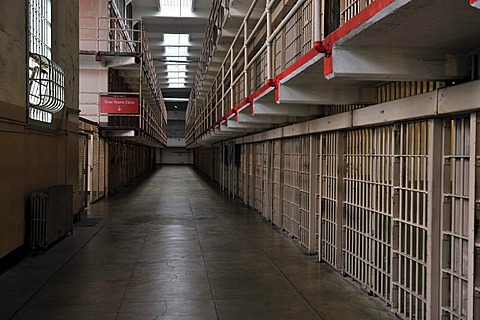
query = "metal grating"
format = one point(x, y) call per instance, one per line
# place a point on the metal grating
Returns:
point(251, 175)
point(40, 25)
point(455, 244)
point(336, 109)
point(46, 84)
point(368, 208)
point(298, 34)
point(260, 175)
point(401, 89)
point(410, 287)
point(304, 185)
point(265, 181)
point(316, 192)
point(352, 7)
point(291, 186)
point(295, 202)
point(328, 197)
point(277, 184)
point(475, 235)
point(241, 174)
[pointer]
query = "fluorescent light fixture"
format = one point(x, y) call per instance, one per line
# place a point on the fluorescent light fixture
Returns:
point(176, 59)
point(176, 51)
point(176, 67)
point(176, 81)
point(177, 75)
point(176, 99)
point(176, 38)
point(176, 8)
point(176, 85)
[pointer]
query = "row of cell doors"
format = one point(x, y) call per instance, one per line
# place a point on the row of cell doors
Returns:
point(92, 159)
point(395, 207)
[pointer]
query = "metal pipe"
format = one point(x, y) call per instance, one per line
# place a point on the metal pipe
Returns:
point(269, 44)
point(270, 4)
point(223, 91)
point(318, 23)
point(317, 36)
point(231, 80)
point(245, 57)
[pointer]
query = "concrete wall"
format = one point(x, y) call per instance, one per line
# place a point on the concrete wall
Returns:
point(174, 156)
point(92, 81)
point(94, 8)
point(13, 55)
point(31, 157)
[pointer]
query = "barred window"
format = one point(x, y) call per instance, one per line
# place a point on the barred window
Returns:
point(46, 79)
point(41, 27)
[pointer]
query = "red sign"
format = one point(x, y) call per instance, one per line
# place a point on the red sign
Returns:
point(109, 104)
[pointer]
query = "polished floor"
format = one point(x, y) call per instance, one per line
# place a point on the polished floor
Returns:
point(174, 247)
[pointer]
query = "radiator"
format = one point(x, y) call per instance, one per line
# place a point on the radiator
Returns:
point(51, 215)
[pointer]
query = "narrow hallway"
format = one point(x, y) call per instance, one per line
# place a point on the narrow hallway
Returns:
point(174, 247)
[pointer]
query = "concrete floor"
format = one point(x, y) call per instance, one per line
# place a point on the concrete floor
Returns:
point(174, 247)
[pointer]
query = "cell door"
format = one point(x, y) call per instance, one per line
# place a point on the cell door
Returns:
point(458, 221)
point(83, 170)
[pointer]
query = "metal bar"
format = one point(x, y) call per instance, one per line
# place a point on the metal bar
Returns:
point(340, 192)
point(471, 217)
point(433, 220)
point(269, 44)
point(321, 250)
point(231, 80)
point(313, 186)
point(245, 59)
point(284, 21)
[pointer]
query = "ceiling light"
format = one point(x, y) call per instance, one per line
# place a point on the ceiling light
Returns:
point(175, 8)
point(175, 107)
point(176, 85)
point(176, 38)
point(176, 67)
point(176, 75)
point(176, 99)
point(176, 51)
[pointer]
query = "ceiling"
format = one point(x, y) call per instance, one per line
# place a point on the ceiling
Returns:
point(175, 31)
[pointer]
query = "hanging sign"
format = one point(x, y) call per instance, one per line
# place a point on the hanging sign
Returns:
point(119, 104)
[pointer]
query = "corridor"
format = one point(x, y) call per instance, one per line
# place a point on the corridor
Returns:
point(174, 247)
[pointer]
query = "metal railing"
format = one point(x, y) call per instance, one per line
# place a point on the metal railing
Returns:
point(111, 34)
point(149, 120)
point(265, 45)
point(122, 37)
point(351, 8)
point(257, 52)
